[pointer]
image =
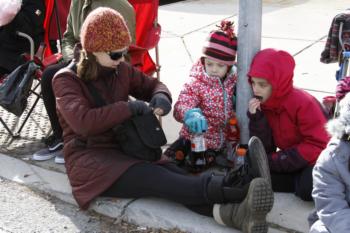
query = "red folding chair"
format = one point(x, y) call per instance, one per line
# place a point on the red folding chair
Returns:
point(45, 59)
point(147, 36)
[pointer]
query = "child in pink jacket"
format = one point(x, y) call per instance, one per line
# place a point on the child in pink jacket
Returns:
point(205, 104)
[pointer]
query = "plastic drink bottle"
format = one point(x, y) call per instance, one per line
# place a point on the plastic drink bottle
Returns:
point(240, 157)
point(198, 148)
point(232, 139)
point(198, 143)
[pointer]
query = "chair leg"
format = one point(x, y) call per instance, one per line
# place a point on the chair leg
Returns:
point(158, 74)
point(14, 135)
point(28, 115)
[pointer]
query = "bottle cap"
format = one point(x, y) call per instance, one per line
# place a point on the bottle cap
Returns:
point(233, 121)
point(241, 151)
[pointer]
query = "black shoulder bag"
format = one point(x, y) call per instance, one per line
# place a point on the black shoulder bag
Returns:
point(16, 88)
point(140, 137)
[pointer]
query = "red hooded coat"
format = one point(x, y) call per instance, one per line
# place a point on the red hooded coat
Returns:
point(291, 119)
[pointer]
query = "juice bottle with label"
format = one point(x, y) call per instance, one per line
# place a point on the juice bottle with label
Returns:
point(232, 139)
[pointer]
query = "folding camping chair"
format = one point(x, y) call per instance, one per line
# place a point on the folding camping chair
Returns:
point(33, 74)
point(46, 59)
point(147, 36)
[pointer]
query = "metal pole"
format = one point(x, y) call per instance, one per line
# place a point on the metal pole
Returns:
point(31, 43)
point(55, 11)
point(249, 43)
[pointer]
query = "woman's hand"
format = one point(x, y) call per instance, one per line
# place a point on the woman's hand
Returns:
point(253, 105)
point(138, 107)
point(158, 111)
point(160, 104)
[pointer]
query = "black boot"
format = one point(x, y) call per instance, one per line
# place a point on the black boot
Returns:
point(257, 159)
point(227, 189)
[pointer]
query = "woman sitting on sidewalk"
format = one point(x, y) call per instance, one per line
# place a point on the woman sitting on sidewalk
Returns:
point(95, 164)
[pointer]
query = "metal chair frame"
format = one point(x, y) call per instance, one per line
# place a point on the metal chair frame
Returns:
point(16, 133)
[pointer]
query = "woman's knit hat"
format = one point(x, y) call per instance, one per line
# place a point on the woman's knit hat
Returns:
point(221, 45)
point(104, 30)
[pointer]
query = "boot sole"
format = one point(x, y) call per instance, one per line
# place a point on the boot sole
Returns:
point(260, 202)
point(259, 162)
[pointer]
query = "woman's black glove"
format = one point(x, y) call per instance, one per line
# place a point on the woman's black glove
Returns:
point(138, 107)
point(162, 101)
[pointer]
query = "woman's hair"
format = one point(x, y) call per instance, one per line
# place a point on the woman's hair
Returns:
point(87, 68)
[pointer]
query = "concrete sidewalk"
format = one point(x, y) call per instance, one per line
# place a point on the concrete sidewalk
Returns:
point(288, 214)
point(299, 27)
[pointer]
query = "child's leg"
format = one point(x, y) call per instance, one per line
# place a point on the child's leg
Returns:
point(303, 184)
point(299, 183)
point(283, 182)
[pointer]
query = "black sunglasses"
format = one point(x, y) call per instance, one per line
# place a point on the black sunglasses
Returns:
point(117, 55)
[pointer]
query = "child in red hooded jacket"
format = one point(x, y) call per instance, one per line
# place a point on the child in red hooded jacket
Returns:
point(289, 121)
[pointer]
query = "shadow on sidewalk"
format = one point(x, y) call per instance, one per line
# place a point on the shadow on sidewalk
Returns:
point(30, 138)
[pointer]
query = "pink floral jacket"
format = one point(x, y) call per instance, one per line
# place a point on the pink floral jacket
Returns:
point(214, 97)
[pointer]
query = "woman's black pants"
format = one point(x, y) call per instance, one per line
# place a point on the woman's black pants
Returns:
point(163, 181)
point(49, 97)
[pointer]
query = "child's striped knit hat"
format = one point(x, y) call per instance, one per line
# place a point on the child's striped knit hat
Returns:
point(221, 45)
point(104, 30)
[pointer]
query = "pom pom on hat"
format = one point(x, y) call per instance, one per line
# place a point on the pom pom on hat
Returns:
point(104, 30)
point(221, 45)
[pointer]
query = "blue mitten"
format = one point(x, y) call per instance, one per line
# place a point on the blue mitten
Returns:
point(195, 121)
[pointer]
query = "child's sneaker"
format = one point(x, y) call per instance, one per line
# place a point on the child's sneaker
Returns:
point(45, 154)
point(59, 157)
point(54, 148)
point(53, 143)
point(249, 215)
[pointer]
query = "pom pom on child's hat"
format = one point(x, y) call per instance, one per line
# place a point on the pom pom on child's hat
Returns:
point(221, 44)
point(104, 30)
